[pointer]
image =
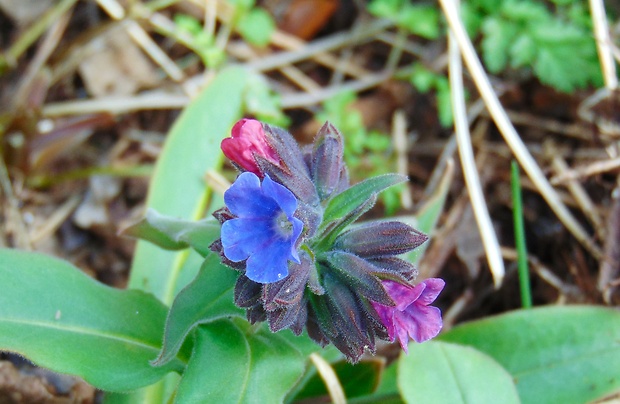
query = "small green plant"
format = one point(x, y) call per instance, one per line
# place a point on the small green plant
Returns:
point(558, 48)
point(253, 23)
point(366, 152)
point(425, 80)
point(421, 20)
point(191, 33)
point(417, 19)
point(553, 41)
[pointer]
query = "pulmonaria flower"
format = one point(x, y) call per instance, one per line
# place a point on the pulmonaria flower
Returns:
point(412, 317)
point(304, 262)
point(247, 142)
point(263, 230)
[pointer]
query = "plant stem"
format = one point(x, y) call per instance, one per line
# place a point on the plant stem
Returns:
point(517, 211)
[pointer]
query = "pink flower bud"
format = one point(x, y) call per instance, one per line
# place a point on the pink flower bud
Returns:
point(248, 141)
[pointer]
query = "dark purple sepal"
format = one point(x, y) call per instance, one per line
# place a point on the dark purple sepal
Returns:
point(299, 183)
point(353, 328)
point(218, 248)
point(322, 316)
point(301, 320)
point(292, 171)
point(357, 273)
point(314, 285)
point(377, 239)
point(247, 292)
point(290, 290)
point(285, 317)
point(327, 161)
point(314, 329)
point(223, 214)
point(256, 314)
point(394, 268)
point(286, 147)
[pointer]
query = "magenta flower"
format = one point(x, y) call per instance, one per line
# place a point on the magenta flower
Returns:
point(412, 317)
point(248, 141)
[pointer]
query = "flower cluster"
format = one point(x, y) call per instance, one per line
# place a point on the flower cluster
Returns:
point(304, 267)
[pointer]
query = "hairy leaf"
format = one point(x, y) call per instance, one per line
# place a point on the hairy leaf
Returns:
point(234, 362)
point(556, 354)
point(438, 372)
point(56, 316)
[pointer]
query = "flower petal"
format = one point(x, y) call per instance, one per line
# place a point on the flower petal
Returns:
point(247, 142)
point(433, 286)
point(386, 314)
point(298, 226)
point(242, 237)
point(270, 263)
point(402, 333)
point(245, 199)
point(403, 295)
point(281, 195)
point(421, 322)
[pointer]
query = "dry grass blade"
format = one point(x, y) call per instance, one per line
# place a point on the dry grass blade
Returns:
point(35, 31)
point(117, 105)
point(13, 218)
point(44, 51)
point(336, 393)
point(137, 33)
point(472, 181)
point(594, 168)
point(581, 196)
point(610, 265)
point(399, 138)
point(509, 133)
point(603, 43)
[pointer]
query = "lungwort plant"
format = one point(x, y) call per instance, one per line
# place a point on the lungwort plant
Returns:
point(229, 305)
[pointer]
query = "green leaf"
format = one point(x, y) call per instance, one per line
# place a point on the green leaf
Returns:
point(242, 5)
point(256, 26)
point(388, 387)
point(525, 11)
point(438, 372)
point(422, 20)
point(556, 354)
point(488, 6)
point(207, 298)
point(354, 197)
point(174, 234)
point(522, 51)
point(472, 19)
point(56, 316)
point(234, 362)
point(177, 188)
point(356, 380)
point(422, 79)
point(567, 57)
point(385, 8)
point(444, 102)
point(498, 35)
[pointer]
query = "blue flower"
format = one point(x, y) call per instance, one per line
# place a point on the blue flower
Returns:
point(264, 230)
